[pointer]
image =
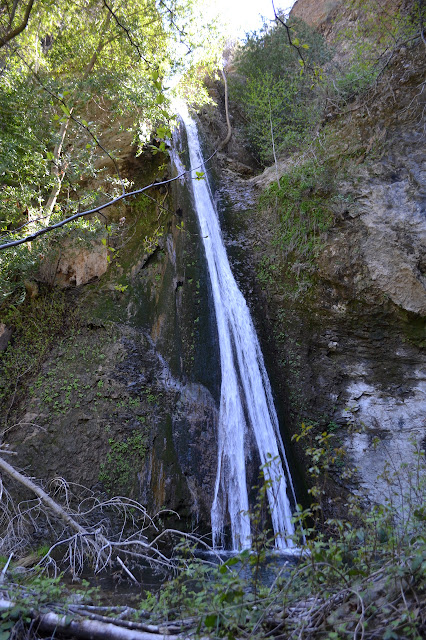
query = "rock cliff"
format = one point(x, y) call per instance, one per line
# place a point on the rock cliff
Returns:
point(345, 332)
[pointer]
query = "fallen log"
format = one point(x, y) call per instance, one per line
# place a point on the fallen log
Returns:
point(84, 628)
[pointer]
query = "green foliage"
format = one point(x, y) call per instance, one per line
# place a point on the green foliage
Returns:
point(276, 94)
point(36, 592)
point(281, 90)
point(301, 206)
point(77, 64)
point(371, 39)
point(36, 325)
point(120, 466)
point(301, 203)
point(24, 139)
point(23, 262)
point(366, 572)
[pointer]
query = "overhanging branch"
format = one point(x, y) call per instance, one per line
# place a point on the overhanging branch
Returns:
point(290, 41)
point(128, 34)
point(89, 212)
point(12, 34)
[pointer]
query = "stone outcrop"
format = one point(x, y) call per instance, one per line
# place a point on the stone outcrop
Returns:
point(315, 13)
point(5, 336)
point(73, 264)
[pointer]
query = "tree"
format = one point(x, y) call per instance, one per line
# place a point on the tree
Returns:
point(275, 85)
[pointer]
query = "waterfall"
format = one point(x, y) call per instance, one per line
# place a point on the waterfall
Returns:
point(246, 402)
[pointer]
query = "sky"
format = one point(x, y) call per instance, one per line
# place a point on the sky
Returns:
point(244, 15)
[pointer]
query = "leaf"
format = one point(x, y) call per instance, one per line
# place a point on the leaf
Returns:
point(84, 123)
point(210, 621)
point(65, 110)
point(7, 624)
point(416, 563)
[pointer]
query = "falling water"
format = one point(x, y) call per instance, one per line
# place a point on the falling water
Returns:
point(246, 402)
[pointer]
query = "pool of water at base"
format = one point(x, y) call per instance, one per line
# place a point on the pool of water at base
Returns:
point(116, 589)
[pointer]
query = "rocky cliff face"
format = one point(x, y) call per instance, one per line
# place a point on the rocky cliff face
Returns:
point(117, 389)
point(348, 329)
point(125, 397)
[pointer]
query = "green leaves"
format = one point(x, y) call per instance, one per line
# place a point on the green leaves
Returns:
point(65, 110)
point(211, 621)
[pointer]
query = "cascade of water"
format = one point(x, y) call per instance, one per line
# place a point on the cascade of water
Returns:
point(246, 399)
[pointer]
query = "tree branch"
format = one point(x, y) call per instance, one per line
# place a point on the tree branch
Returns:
point(76, 216)
point(12, 34)
point(80, 124)
point(290, 41)
point(126, 30)
point(180, 31)
point(83, 628)
point(228, 122)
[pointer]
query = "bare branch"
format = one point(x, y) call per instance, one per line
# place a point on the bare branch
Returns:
point(290, 41)
point(228, 122)
point(180, 31)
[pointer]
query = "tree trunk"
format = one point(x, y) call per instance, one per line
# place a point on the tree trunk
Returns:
point(44, 497)
point(56, 171)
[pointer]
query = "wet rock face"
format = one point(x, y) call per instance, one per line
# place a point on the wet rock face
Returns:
point(106, 413)
point(125, 402)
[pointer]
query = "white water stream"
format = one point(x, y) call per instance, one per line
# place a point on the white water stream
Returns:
point(246, 402)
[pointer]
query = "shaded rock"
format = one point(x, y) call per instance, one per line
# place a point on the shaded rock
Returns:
point(5, 336)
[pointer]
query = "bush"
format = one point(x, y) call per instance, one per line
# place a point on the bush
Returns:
point(276, 94)
point(363, 576)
